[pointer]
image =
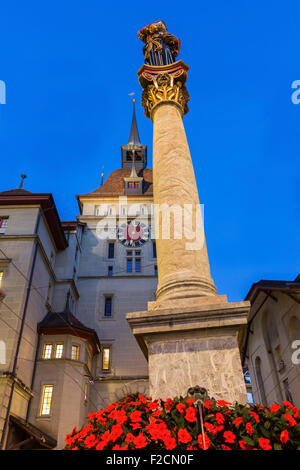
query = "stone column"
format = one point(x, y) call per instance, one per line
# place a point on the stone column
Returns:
point(189, 335)
point(183, 266)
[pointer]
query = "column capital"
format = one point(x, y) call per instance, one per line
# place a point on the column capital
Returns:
point(164, 84)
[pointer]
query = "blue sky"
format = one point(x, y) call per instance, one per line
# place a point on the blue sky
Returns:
point(69, 66)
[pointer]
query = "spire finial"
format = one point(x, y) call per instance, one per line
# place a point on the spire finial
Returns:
point(134, 138)
point(23, 176)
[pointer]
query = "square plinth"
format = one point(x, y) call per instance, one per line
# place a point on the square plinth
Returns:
point(193, 346)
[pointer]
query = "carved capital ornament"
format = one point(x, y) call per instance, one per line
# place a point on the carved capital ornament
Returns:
point(164, 84)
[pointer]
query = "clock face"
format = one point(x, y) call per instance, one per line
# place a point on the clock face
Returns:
point(133, 234)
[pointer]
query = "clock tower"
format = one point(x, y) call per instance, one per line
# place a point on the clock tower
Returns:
point(118, 273)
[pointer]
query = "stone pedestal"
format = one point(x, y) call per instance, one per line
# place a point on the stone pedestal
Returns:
point(195, 345)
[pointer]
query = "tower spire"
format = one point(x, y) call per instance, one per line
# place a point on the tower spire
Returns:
point(23, 176)
point(134, 138)
point(133, 170)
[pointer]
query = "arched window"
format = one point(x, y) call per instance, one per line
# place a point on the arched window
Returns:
point(260, 381)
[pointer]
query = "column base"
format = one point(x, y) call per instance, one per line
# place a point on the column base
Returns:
point(193, 345)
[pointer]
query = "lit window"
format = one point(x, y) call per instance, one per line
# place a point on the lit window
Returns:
point(75, 352)
point(106, 358)
point(46, 400)
point(59, 348)
point(110, 270)
point(138, 265)
point(3, 225)
point(1, 277)
point(47, 353)
point(129, 265)
point(108, 302)
point(85, 391)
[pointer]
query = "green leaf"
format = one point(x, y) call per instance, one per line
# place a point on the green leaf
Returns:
point(267, 424)
point(277, 446)
point(249, 441)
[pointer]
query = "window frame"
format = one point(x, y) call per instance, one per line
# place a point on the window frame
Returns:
point(111, 245)
point(44, 351)
point(55, 350)
point(42, 402)
point(76, 346)
point(106, 298)
point(106, 346)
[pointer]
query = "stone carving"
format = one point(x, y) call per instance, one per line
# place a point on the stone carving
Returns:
point(165, 87)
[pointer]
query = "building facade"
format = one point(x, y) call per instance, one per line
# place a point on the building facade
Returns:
point(271, 341)
point(65, 346)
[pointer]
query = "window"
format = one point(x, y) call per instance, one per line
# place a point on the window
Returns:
point(97, 210)
point(155, 270)
point(110, 270)
point(59, 348)
point(106, 358)
point(111, 250)
point(129, 265)
point(1, 277)
point(3, 225)
point(46, 400)
point(138, 253)
point(154, 249)
point(85, 391)
point(75, 352)
point(47, 352)
point(138, 265)
point(136, 185)
point(108, 303)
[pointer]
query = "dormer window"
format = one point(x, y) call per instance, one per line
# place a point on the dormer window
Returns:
point(129, 155)
point(138, 156)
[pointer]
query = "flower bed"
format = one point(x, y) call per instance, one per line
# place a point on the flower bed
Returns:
point(137, 422)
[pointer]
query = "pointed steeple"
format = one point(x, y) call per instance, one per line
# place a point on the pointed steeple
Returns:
point(134, 150)
point(134, 138)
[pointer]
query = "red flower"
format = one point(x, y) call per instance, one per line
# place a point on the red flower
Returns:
point(191, 415)
point(220, 418)
point(206, 439)
point(181, 408)
point(284, 436)
point(225, 447)
point(207, 404)
point(184, 436)
point(140, 441)
point(254, 415)
point(249, 428)
point(223, 403)
point(290, 419)
point(229, 437)
point(118, 447)
point(142, 399)
point(168, 404)
point(274, 408)
point(116, 432)
point(295, 410)
point(157, 413)
point(242, 444)
point(136, 416)
point(237, 421)
point(135, 426)
point(130, 437)
point(170, 443)
point(90, 441)
point(190, 401)
point(288, 404)
point(264, 443)
point(153, 405)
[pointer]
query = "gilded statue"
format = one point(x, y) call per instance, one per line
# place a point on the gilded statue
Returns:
point(161, 47)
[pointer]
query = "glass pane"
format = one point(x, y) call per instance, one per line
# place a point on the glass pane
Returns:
point(47, 351)
point(138, 265)
point(129, 265)
point(59, 351)
point(46, 399)
point(105, 358)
